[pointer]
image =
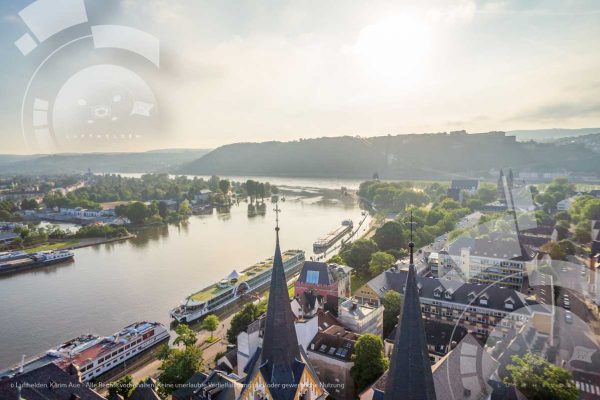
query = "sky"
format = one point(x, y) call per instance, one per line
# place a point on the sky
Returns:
point(249, 71)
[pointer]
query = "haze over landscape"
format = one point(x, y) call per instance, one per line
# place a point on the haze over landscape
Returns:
point(240, 72)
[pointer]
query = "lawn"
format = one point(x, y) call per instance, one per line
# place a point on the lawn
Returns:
point(52, 246)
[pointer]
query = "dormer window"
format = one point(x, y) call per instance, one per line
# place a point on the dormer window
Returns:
point(436, 293)
point(509, 303)
point(483, 299)
point(449, 293)
point(471, 296)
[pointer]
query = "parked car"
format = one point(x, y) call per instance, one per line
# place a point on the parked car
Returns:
point(568, 317)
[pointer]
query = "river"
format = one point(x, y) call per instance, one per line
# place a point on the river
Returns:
point(112, 285)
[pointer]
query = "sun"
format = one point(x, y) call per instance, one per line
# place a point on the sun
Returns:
point(395, 49)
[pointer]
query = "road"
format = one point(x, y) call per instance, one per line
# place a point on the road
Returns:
point(579, 341)
point(150, 369)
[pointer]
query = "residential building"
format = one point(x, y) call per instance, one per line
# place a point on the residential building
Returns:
point(455, 194)
point(441, 337)
point(306, 327)
point(470, 186)
point(215, 385)
point(323, 280)
point(565, 205)
point(463, 374)
point(330, 353)
point(280, 369)
point(145, 390)
point(478, 308)
point(203, 196)
point(361, 317)
point(500, 261)
point(8, 237)
point(48, 382)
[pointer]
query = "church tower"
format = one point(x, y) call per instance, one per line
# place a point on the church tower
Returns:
point(409, 376)
point(280, 369)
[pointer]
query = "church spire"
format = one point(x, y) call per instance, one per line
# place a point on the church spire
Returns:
point(280, 345)
point(409, 376)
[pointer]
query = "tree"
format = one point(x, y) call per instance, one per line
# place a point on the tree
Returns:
point(5, 215)
point(184, 208)
point(369, 360)
point(242, 319)
point(162, 210)
point(554, 249)
point(211, 323)
point(178, 365)
point(380, 261)
point(567, 247)
point(582, 233)
point(137, 212)
point(337, 259)
point(358, 254)
point(487, 194)
point(389, 236)
point(475, 204)
point(213, 183)
point(185, 335)
point(29, 204)
point(122, 387)
point(224, 186)
point(392, 304)
point(538, 379)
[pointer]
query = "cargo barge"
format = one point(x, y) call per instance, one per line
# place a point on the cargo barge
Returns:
point(321, 245)
point(34, 260)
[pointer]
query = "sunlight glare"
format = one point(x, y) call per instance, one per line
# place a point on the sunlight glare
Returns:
point(395, 49)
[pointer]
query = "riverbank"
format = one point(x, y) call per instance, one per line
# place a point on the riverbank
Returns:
point(72, 244)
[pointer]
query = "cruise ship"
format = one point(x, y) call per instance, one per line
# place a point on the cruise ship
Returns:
point(93, 355)
point(219, 295)
point(322, 244)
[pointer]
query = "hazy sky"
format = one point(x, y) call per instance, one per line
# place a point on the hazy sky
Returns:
point(234, 71)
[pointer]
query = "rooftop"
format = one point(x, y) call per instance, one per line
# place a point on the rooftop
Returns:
point(334, 342)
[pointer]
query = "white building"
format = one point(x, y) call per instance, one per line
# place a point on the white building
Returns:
point(251, 339)
point(565, 205)
point(361, 317)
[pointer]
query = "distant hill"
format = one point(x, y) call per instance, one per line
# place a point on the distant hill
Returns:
point(404, 156)
point(151, 161)
point(547, 135)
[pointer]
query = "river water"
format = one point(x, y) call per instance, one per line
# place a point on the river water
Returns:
point(112, 285)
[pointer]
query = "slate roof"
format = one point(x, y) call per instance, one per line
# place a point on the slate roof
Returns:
point(463, 373)
point(335, 342)
point(464, 184)
point(145, 391)
point(409, 376)
point(460, 375)
point(186, 392)
point(46, 383)
point(218, 386)
point(462, 292)
point(440, 335)
point(316, 268)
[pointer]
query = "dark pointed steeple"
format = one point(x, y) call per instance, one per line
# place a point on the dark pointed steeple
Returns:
point(280, 350)
point(409, 376)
